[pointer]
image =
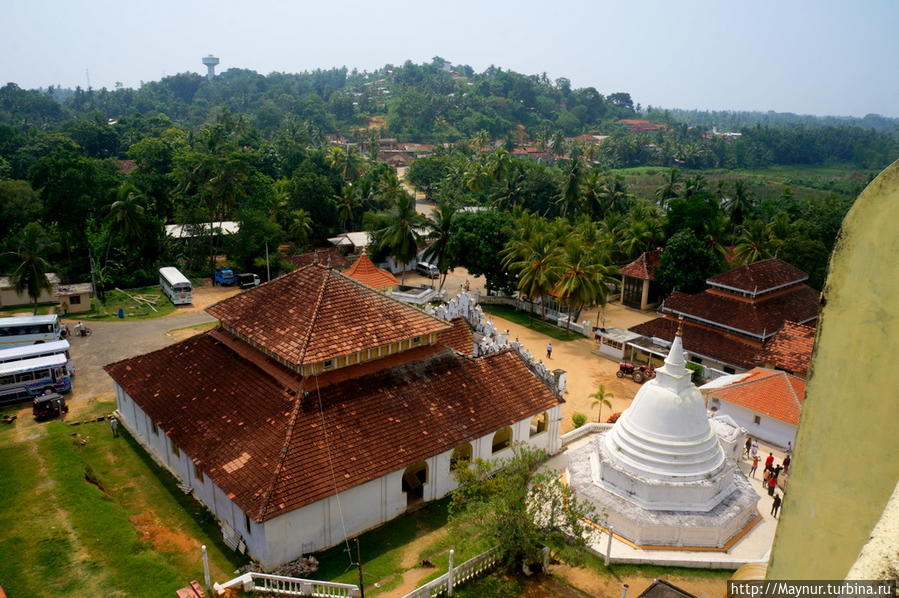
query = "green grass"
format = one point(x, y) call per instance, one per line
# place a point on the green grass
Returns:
point(43, 309)
point(68, 512)
point(531, 321)
point(115, 300)
point(583, 558)
point(197, 327)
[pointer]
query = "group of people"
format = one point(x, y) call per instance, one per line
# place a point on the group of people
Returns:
point(771, 472)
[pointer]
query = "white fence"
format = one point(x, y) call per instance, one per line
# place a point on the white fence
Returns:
point(559, 318)
point(455, 576)
point(279, 585)
point(591, 428)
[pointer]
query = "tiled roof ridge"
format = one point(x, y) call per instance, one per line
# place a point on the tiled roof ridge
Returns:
point(285, 448)
point(765, 374)
point(394, 299)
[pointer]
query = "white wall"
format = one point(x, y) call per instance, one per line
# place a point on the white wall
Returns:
point(323, 523)
point(769, 430)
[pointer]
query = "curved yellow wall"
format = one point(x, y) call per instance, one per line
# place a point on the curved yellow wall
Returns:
point(847, 450)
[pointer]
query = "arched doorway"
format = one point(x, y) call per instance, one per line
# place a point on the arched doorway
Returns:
point(461, 456)
point(414, 479)
point(502, 439)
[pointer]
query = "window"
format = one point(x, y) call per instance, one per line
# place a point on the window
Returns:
point(416, 340)
point(757, 420)
point(502, 439)
point(461, 456)
point(75, 300)
point(174, 447)
point(198, 473)
point(539, 423)
point(329, 363)
point(154, 428)
point(246, 523)
point(730, 370)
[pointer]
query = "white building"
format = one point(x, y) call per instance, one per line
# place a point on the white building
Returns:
point(660, 474)
point(766, 403)
point(321, 408)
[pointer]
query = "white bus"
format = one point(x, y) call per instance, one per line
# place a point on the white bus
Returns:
point(31, 377)
point(39, 350)
point(27, 330)
point(175, 285)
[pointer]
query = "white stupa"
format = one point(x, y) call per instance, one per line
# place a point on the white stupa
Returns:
point(660, 476)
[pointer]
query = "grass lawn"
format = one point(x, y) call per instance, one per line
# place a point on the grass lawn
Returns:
point(43, 309)
point(531, 321)
point(116, 300)
point(86, 514)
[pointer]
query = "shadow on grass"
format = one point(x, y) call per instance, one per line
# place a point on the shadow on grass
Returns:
point(532, 321)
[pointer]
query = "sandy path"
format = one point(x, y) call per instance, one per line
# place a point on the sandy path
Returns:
point(609, 586)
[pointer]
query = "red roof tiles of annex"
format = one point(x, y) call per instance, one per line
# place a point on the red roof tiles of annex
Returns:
point(790, 349)
point(265, 447)
point(769, 392)
point(701, 341)
point(315, 313)
point(329, 256)
point(759, 277)
point(458, 338)
point(365, 271)
point(644, 266)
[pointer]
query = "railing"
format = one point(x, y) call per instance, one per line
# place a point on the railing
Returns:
point(470, 569)
point(584, 430)
point(288, 586)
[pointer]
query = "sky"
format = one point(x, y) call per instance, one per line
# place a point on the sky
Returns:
point(810, 57)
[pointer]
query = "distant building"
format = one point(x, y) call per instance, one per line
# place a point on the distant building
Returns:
point(638, 287)
point(331, 257)
point(9, 297)
point(727, 325)
point(320, 408)
point(365, 271)
point(71, 298)
point(640, 125)
point(74, 298)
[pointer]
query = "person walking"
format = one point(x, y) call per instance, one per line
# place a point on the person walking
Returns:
point(755, 466)
point(765, 475)
point(772, 484)
point(787, 461)
point(769, 461)
point(549, 351)
point(114, 425)
point(748, 446)
point(776, 471)
point(775, 506)
point(755, 448)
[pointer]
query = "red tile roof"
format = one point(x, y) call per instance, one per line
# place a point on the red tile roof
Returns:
point(644, 266)
point(329, 256)
point(790, 349)
point(368, 274)
point(266, 447)
point(763, 316)
point(458, 338)
point(759, 277)
point(637, 124)
point(701, 341)
point(315, 313)
point(769, 392)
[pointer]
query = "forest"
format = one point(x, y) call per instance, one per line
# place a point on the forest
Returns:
point(89, 178)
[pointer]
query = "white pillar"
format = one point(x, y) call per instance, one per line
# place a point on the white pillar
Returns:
point(449, 573)
point(207, 579)
point(609, 546)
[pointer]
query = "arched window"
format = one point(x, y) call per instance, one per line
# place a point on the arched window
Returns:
point(461, 456)
point(414, 479)
point(539, 423)
point(502, 439)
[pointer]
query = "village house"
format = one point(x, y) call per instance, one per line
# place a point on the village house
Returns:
point(727, 325)
point(638, 287)
point(766, 403)
point(9, 297)
point(74, 298)
point(320, 408)
point(71, 298)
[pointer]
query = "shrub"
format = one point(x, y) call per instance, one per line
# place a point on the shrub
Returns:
point(578, 419)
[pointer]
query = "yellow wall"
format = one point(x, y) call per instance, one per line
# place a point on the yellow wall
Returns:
point(847, 450)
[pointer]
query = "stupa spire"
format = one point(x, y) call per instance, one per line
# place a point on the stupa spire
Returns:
point(675, 364)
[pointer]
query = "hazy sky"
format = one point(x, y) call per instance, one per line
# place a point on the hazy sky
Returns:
point(814, 57)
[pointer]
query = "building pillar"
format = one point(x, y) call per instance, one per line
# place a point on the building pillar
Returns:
point(644, 297)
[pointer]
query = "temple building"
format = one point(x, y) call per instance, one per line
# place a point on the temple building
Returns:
point(660, 474)
point(638, 286)
point(320, 408)
point(727, 325)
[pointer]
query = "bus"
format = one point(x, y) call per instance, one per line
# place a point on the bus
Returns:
point(28, 330)
point(39, 350)
point(32, 377)
point(175, 285)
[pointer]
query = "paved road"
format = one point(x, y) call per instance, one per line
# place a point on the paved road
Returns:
point(112, 341)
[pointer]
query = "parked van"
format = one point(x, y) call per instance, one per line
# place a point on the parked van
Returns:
point(426, 269)
point(247, 281)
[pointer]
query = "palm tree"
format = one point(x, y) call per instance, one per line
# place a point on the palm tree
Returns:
point(569, 198)
point(581, 281)
point(126, 217)
point(347, 161)
point(300, 227)
point(614, 194)
point(539, 262)
point(602, 399)
point(31, 274)
point(347, 202)
point(739, 204)
point(670, 188)
point(227, 185)
point(437, 252)
point(400, 237)
point(754, 243)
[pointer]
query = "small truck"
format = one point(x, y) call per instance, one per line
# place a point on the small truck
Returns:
point(224, 277)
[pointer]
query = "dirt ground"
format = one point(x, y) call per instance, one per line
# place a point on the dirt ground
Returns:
point(607, 586)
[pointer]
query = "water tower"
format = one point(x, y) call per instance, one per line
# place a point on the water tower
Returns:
point(210, 62)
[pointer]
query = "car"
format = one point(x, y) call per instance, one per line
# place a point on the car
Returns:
point(427, 269)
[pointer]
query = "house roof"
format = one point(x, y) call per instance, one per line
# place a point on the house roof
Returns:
point(702, 341)
point(6, 281)
point(638, 124)
point(769, 392)
point(358, 239)
point(759, 277)
point(458, 338)
point(761, 317)
point(644, 266)
point(790, 349)
point(662, 589)
point(329, 256)
point(80, 288)
point(365, 271)
point(272, 450)
point(316, 313)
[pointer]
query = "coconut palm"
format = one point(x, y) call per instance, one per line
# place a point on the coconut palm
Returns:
point(538, 261)
point(755, 243)
point(30, 275)
point(602, 399)
point(441, 224)
point(300, 227)
point(347, 203)
point(401, 237)
point(614, 194)
point(739, 203)
point(670, 187)
point(568, 201)
point(581, 281)
point(126, 217)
